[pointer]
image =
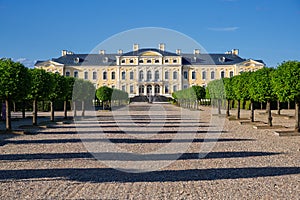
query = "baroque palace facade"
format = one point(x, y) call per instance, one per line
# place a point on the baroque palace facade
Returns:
point(150, 71)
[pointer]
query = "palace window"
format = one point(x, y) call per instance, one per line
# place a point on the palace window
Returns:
point(141, 61)
point(131, 61)
point(203, 75)
point(231, 74)
point(175, 75)
point(149, 75)
point(113, 75)
point(212, 75)
point(86, 75)
point(166, 61)
point(123, 61)
point(141, 75)
point(156, 76)
point(76, 74)
point(67, 73)
point(104, 77)
point(124, 88)
point(131, 75)
point(193, 75)
point(123, 75)
point(148, 61)
point(174, 60)
point(185, 86)
point(166, 89)
point(222, 74)
point(94, 75)
point(131, 89)
point(166, 75)
point(174, 88)
point(185, 75)
point(156, 61)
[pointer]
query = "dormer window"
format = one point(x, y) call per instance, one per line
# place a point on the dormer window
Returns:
point(131, 61)
point(105, 60)
point(76, 60)
point(123, 61)
point(148, 61)
point(166, 61)
point(174, 60)
point(141, 61)
point(156, 61)
point(222, 59)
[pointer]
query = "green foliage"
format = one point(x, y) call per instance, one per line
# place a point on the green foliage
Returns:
point(192, 93)
point(240, 83)
point(216, 89)
point(83, 90)
point(69, 83)
point(261, 88)
point(105, 93)
point(229, 92)
point(41, 84)
point(14, 80)
point(285, 81)
point(58, 89)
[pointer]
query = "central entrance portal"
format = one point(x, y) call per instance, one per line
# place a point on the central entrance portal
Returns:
point(149, 90)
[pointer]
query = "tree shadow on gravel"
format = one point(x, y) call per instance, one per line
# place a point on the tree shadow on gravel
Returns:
point(122, 141)
point(102, 175)
point(131, 156)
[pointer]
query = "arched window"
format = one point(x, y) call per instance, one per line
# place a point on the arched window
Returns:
point(166, 75)
point(149, 75)
point(148, 61)
point(104, 77)
point(67, 73)
point(76, 74)
point(156, 75)
point(131, 75)
point(157, 89)
point(123, 75)
point(141, 75)
point(203, 75)
point(175, 75)
point(94, 75)
point(193, 75)
point(231, 74)
point(212, 75)
point(222, 74)
point(86, 75)
point(185, 75)
point(113, 75)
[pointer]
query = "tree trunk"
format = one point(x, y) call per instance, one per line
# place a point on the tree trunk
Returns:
point(219, 106)
point(252, 111)
point(289, 104)
point(278, 107)
point(23, 109)
point(14, 104)
point(65, 109)
point(34, 112)
point(52, 111)
point(269, 113)
point(297, 116)
point(74, 109)
point(8, 116)
point(82, 108)
point(227, 108)
point(43, 106)
point(238, 115)
point(261, 105)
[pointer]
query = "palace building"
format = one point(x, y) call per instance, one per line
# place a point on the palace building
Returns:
point(150, 71)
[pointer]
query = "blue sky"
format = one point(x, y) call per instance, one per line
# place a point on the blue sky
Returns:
point(260, 29)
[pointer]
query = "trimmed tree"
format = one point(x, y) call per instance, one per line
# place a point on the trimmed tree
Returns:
point(14, 84)
point(41, 85)
point(229, 93)
point(104, 94)
point(262, 89)
point(68, 84)
point(216, 91)
point(287, 86)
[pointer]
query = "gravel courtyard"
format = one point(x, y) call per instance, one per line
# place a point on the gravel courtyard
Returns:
point(243, 163)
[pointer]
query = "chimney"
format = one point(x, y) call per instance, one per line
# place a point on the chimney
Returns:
point(161, 46)
point(120, 51)
point(196, 51)
point(102, 52)
point(63, 52)
point(235, 52)
point(135, 47)
point(178, 51)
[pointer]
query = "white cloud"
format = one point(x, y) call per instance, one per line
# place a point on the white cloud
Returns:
point(234, 28)
point(26, 62)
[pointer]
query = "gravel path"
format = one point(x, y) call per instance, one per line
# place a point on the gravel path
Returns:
point(244, 163)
